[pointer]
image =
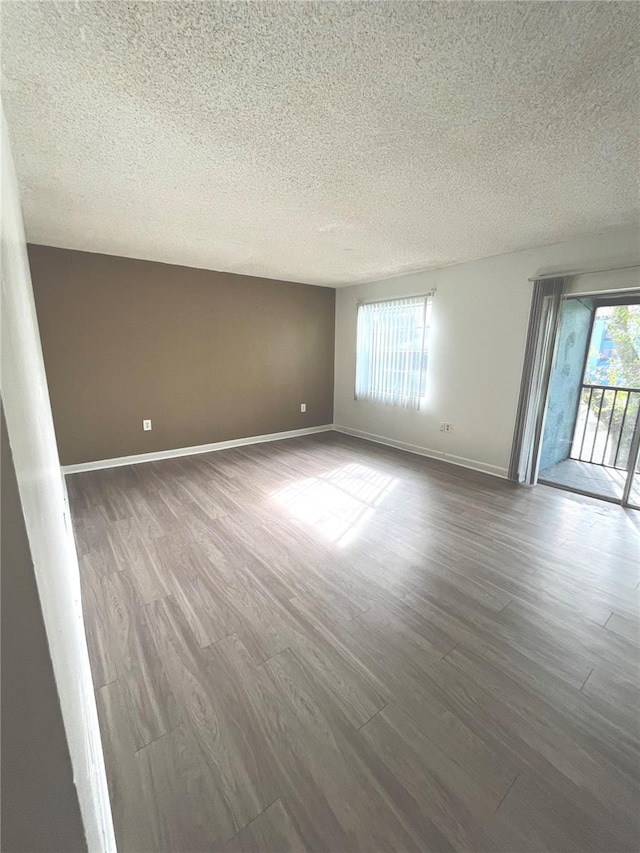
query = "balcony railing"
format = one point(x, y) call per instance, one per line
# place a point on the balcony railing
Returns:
point(605, 422)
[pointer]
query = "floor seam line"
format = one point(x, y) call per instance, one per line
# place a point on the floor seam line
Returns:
point(106, 684)
point(220, 639)
point(164, 734)
point(246, 825)
point(504, 796)
point(586, 679)
point(446, 655)
point(373, 715)
point(358, 615)
point(262, 663)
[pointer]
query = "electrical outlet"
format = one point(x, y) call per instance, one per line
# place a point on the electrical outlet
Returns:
point(146, 425)
point(445, 426)
point(303, 407)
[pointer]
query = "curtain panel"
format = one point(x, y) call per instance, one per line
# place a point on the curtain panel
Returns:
point(546, 302)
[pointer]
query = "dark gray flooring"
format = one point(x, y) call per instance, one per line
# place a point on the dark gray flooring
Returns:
point(322, 644)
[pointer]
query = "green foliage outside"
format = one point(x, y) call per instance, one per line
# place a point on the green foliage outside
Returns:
point(623, 327)
point(618, 411)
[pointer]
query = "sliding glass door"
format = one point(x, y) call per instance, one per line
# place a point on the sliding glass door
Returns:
point(631, 495)
point(591, 436)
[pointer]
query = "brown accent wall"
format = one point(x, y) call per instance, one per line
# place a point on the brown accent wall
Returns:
point(207, 356)
point(40, 810)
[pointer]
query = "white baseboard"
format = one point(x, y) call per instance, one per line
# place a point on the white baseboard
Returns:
point(461, 461)
point(190, 451)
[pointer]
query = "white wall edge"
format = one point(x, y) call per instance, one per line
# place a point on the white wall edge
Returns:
point(460, 461)
point(156, 456)
point(53, 555)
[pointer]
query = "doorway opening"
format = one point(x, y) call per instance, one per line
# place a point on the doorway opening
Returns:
point(591, 436)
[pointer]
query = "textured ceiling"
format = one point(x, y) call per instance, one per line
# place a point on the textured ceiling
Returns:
point(321, 142)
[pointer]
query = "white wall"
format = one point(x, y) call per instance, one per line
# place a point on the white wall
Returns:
point(480, 315)
point(33, 445)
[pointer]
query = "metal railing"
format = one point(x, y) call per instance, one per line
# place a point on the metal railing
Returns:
point(605, 422)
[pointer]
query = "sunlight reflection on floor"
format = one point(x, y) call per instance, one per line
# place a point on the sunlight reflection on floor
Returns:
point(340, 503)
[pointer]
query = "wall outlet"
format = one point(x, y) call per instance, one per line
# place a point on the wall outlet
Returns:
point(303, 407)
point(445, 426)
point(146, 425)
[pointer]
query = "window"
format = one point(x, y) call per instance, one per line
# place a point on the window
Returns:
point(391, 351)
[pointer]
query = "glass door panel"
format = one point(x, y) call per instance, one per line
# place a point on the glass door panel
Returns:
point(634, 491)
point(631, 496)
point(590, 442)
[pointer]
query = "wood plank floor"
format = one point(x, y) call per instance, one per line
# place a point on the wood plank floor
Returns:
point(322, 644)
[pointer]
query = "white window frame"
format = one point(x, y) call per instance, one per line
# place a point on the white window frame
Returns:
point(391, 336)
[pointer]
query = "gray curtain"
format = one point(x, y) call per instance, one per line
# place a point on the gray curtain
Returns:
point(546, 300)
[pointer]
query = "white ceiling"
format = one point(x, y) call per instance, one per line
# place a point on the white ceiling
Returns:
point(321, 142)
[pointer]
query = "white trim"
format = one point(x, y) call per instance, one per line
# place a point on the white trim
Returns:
point(461, 461)
point(156, 456)
point(428, 295)
point(190, 451)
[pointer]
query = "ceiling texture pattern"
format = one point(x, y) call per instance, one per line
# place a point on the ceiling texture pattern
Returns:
point(321, 142)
